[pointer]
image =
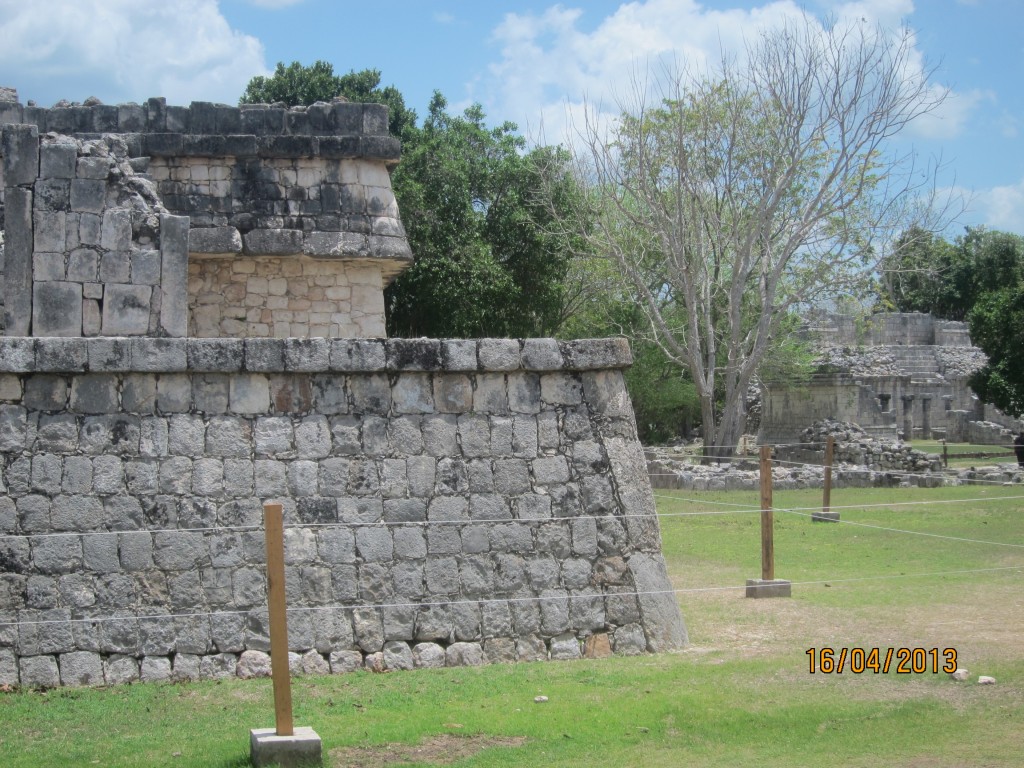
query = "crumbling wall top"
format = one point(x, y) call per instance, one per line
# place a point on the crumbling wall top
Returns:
point(339, 130)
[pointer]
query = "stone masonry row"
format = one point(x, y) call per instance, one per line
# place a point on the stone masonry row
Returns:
point(204, 119)
point(140, 355)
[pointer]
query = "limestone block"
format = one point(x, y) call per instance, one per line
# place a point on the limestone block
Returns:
point(459, 355)
point(249, 394)
point(273, 242)
point(499, 354)
point(565, 647)
point(93, 168)
point(88, 195)
point(126, 309)
point(221, 355)
point(464, 655)
point(57, 161)
point(363, 355)
point(428, 655)
point(57, 309)
point(83, 265)
point(306, 354)
point(19, 146)
point(264, 355)
point(596, 354)
point(663, 625)
point(173, 275)
point(628, 640)
point(8, 667)
point(219, 241)
point(155, 669)
point(81, 668)
point(345, 661)
point(38, 671)
point(145, 267)
point(335, 245)
point(531, 648)
point(17, 288)
point(413, 393)
point(159, 355)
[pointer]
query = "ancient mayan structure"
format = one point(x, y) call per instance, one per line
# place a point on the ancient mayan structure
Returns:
point(892, 374)
point(193, 325)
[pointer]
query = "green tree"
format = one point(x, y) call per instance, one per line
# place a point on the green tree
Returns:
point(486, 263)
point(299, 85)
point(997, 326)
point(996, 316)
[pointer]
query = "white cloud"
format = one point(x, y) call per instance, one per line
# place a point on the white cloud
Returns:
point(1001, 207)
point(125, 50)
point(550, 64)
point(948, 120)
point(274, 4)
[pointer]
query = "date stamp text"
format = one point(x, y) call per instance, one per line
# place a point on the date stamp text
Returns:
point(902, 661)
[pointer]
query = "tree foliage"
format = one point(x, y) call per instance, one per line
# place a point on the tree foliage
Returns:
point(926, 273)
point(486, 262)
point(733, 199)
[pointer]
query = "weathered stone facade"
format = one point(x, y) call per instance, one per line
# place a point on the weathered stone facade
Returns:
point(268, 192)
point(483, 496)
point(898, 373)
point(447, 502)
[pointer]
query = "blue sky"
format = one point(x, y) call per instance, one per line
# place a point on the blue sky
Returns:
point(523, 61)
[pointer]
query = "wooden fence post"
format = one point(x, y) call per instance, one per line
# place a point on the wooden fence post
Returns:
point(767, 585)
point(285, 744)
point(827, 516)
point(767, 517)
point(277, 606)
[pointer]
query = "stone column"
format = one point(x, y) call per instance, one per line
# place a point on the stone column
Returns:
point(926, 422)
point(20, 147)
point(908, 416)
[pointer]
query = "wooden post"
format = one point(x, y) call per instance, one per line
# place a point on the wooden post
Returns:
point(767, 520)
point(945, 455)
point(273, 524)
point(767, 585)
point(826, 497)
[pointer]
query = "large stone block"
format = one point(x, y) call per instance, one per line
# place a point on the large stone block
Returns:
point(57, 309)
point(126, 309)
point(19, 145)
point(214, 240)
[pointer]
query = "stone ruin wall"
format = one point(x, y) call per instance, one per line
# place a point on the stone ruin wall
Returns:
point(303, 194)
point(447, 502)
point(885, 371)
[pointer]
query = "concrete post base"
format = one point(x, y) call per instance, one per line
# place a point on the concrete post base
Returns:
point(773, 588)
point(824, 517)
point(301, 749)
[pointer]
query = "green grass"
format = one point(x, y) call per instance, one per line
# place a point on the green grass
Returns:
point(964, 455)
point(741, 695)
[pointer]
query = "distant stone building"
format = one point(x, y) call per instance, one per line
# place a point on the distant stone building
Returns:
point(891, 374)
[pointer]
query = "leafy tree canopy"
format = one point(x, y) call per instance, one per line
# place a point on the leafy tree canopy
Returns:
point(486, 262)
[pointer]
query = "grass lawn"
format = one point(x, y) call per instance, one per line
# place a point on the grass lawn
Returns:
point(964, 455)
point(739, 695)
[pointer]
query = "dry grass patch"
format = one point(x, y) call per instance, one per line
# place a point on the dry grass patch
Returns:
point(443, 749)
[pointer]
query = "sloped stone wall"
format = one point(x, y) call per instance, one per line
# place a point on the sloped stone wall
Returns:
point(447, 502)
